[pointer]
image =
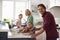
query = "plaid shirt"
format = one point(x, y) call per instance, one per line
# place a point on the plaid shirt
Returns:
point(49, 25)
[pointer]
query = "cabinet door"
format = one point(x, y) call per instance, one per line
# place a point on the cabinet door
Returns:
point(3, 35)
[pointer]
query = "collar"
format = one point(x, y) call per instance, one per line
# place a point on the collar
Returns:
point(43, 14)
point(29, 16)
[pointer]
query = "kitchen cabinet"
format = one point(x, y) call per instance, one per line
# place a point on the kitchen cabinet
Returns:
point(21, 39)
point(53, 3)
point(3, 35)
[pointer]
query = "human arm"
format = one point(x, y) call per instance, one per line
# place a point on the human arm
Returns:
point(38, 33)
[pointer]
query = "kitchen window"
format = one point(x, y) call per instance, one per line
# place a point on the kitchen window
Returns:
point(11, 9)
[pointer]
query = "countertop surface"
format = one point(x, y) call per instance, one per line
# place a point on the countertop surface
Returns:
point(19, 35)
point(22, 35)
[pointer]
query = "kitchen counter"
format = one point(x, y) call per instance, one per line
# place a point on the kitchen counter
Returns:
point(5, 28)
point(19, 35)
point(22, 35)
point(13, 33)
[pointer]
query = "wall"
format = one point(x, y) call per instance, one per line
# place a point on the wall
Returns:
point(0, 9)
point(34, 3)
point(56, 12)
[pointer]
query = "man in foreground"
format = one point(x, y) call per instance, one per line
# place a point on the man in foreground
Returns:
point(49, 24)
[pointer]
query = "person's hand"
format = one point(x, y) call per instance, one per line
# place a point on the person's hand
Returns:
point(26, 30)
point(33, 36)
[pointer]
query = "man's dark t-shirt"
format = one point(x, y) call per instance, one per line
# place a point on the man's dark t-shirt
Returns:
point(49, 25)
